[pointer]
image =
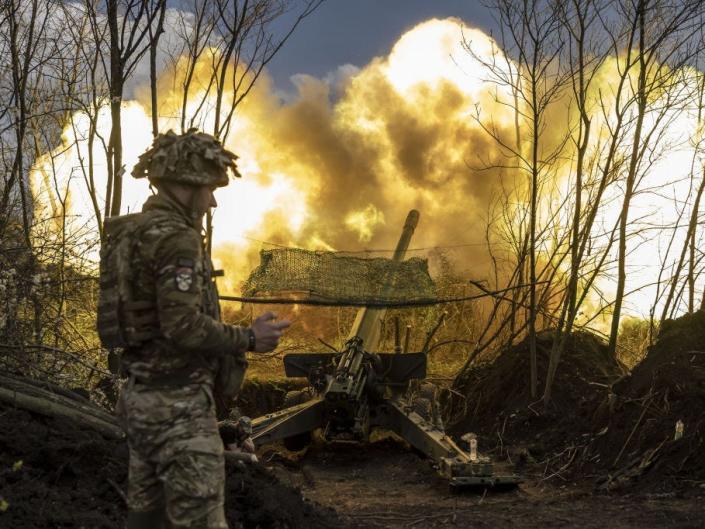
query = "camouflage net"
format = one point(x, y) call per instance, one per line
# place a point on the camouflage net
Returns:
point(338, 278)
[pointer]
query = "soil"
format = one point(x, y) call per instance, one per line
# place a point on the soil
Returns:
point(57, 476)
point(636, 427)
point(54, 475)
point(494, 399)
point(386, 485)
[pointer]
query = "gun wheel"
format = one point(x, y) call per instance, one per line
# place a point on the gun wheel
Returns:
point(423, 398)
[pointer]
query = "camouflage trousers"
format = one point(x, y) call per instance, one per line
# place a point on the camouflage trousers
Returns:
point(176, 455)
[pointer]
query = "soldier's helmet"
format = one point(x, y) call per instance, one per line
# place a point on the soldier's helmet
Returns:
point(193, 158)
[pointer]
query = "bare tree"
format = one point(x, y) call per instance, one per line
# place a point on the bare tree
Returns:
point(664, 32)
point(687, 254)
point(154, 36)
point(530, 36)
point(238, 39)
point(247, 44)
point(130, 25)
point(584, 59)
point(86, 95)
point(32, 58)
point(225, 46)
point(691, 202)
point(40, 256)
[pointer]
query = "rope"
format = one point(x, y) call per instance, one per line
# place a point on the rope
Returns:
point(426, 302)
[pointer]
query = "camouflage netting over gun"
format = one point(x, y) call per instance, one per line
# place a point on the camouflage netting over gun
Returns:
point(340, 278)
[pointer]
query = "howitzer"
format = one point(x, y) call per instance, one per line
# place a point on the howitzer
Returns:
point(357, 390)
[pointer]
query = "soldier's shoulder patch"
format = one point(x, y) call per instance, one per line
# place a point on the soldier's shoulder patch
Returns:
point(184, 278)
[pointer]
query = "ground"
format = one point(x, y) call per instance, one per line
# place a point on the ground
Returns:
point(55, 476)
point(385, 485)
point(605, 454)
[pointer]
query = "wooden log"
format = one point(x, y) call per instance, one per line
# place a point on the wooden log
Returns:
point(47, 390)
point(39, 400)
point(42, 384)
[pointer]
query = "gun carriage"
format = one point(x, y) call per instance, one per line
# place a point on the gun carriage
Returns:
point(358, 389)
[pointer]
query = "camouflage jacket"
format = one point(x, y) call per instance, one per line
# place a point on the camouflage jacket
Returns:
point(172, 272)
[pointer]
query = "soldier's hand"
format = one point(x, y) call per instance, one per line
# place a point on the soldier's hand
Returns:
point(268, 331)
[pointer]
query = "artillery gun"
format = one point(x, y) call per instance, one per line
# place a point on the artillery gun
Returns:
point(357, 390)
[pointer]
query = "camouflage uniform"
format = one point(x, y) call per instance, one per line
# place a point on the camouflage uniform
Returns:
point(176, 467)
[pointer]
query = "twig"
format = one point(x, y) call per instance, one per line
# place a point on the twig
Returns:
point(447, 342)
point(501, 443)
point(329, 346)
point(433, 331)
point(117, 489)
point(441, 514)
point(631, 434)
point(563, 468)
point(528, 406)
point(384, 516)
point(73, 355)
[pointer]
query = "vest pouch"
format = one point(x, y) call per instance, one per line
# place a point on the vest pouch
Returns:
point(139, 321)
point(227, 384)
point(118, 323)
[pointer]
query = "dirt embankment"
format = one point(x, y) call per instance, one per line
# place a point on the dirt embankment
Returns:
point(54, 475)
point(642, 431)
point(605, 428)
point(636, 441)
point(494, 399)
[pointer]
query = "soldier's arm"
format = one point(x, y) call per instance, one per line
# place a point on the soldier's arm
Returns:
point(180, 281)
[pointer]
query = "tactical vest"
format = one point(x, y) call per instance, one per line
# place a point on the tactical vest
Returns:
point(122, 320)
point(126, 322)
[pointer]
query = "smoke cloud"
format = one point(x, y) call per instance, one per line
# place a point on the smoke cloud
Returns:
point(338, 163)
point(358, 153)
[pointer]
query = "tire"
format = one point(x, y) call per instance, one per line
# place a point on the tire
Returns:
point(295, 397)
point(424, 402)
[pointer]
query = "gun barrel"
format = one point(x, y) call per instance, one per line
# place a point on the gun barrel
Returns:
point(412, 220)
point(368, 321)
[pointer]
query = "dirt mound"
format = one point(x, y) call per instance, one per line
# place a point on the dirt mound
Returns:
point(675, 340)
point(636, 428)
point(55, 475)
point(494, 399)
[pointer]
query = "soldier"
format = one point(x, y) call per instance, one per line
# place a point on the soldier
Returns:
point(177, 346)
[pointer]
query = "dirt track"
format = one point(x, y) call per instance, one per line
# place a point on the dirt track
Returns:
point(388, 486)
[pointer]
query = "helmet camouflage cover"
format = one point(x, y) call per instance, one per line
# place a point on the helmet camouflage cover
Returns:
point(192, 158)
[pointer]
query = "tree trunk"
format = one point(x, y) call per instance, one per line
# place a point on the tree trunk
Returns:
point(116, 88)
point(629, 191)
